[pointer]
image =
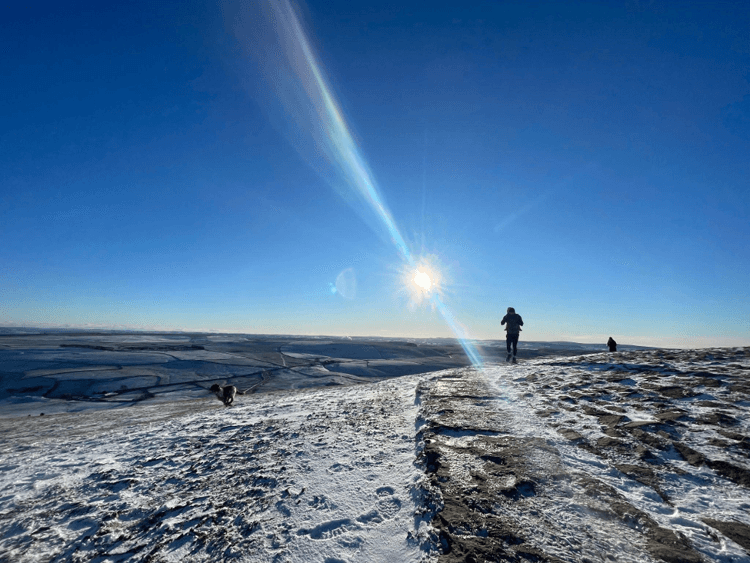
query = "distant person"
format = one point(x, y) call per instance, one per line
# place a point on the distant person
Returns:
point(513, 328)
point(612, 344)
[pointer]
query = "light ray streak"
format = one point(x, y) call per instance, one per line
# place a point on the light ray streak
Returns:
point(331, 133)
point(460, 332)
point(340, 146)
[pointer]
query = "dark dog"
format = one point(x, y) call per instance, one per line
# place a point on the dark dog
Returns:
point(225, 393)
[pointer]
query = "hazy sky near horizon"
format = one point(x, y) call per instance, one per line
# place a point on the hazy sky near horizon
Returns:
point(585, 163)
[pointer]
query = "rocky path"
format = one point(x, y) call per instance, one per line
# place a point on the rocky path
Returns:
point(638, 457)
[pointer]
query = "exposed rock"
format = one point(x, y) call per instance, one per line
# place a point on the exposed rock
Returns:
point(738, 532)
point(651, 421)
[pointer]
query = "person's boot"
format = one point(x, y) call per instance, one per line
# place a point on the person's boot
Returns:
point(514, 360)
point(507, 359)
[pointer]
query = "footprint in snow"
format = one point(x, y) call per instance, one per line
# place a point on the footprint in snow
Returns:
point(386, 507)
point(350, 542)
point(328, 530)
point(372, 517)
point(338, 467)
point(321, 503)
point(384, 491)
point(389, 507)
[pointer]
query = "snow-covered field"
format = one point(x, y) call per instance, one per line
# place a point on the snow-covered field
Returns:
point(72, 372)
point(306, 476)
point(636, 456)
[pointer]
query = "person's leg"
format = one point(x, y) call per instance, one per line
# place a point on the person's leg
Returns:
point(515, 344)
point(508, 344)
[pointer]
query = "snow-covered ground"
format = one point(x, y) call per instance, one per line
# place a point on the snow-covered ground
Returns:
point(692, 400)
point(303, 476)
point(637, 456)
point(632, 457)
point(72, 372)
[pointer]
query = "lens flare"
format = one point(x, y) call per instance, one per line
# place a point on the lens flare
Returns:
point(299, 82)
point(420, 279)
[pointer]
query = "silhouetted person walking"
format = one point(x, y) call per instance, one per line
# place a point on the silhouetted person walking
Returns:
point(513, 326)
point(612, 344)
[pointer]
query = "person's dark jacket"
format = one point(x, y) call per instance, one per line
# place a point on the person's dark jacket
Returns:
point(515, 322)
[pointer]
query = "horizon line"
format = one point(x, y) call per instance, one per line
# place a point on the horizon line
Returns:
point(589, 341)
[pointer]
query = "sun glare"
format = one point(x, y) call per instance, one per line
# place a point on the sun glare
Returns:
point(422, 279)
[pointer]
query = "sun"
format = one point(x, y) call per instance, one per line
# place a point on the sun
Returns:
point(422, 279)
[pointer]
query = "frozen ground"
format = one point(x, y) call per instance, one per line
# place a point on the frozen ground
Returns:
point(633, 457)
point(306, 476)
point(637, 456)
point(53, 372)
point(71, 372)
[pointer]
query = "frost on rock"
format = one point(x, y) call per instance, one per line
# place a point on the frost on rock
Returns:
point(639, 456)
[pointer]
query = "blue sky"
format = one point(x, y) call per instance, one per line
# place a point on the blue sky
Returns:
point(586, 163)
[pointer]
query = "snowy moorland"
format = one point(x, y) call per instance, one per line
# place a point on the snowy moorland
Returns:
point(72, 372)
point(636, 456)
